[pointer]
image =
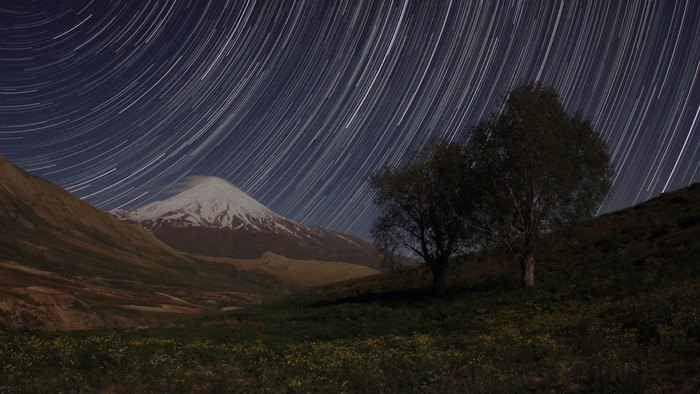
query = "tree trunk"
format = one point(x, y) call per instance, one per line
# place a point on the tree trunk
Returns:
point(438, 280)
point(527, 269)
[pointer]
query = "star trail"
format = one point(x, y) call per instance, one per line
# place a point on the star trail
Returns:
point(296, 102)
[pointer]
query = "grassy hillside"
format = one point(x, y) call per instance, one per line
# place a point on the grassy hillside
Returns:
point(65, 264)
point(615, 309)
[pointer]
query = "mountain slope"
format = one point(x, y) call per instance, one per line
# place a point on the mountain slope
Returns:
point(614, 309)
point(214, 218)
point(211, 202)
point(38, 211)
point(67, 264)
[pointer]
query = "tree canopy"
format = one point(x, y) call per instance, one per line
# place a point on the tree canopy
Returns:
point(528, 169)
point(417, 214)
point(537, 168)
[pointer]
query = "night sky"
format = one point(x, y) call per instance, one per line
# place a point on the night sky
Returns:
point(296, 102)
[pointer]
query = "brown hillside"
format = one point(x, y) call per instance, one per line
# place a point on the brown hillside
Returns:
point(65, 264)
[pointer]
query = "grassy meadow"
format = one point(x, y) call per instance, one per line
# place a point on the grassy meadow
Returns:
point(614, 309)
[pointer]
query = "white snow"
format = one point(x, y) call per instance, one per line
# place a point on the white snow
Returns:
point(210, 202)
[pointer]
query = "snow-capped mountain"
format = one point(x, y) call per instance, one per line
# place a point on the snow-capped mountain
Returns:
point(210, 216)
point(207, 202)
point(65, 264)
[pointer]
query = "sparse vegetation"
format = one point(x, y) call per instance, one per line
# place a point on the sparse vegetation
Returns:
point(618, 316)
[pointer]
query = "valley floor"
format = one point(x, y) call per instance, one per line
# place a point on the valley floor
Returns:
point(615, 309)
point(483, 338)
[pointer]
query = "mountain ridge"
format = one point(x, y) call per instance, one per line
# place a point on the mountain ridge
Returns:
point(210, 216)
point(65, 264)
point(210, 202)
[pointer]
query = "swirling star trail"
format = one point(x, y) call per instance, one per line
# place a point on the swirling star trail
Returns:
point(296, 102)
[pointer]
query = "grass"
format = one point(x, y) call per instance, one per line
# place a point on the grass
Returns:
point(614, 310)
point(491, 343)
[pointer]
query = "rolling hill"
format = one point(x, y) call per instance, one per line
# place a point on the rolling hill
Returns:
point(614, 309)
point(67, 264)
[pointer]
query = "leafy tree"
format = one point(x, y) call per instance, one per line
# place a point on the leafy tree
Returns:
point(417, 200)
point(538, 168)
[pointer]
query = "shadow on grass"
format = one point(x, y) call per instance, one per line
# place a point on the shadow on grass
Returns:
point(422, 297)
point(393, 298)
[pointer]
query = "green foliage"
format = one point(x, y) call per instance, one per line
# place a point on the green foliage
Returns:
point(537, 168)
point(538, 345)
point(621, 320)
point(528, 169)
point(418, 202)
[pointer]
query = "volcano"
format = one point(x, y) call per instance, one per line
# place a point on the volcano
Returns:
point(212, 217)
point(65, 264)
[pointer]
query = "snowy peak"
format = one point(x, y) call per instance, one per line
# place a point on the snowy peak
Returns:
point(211, 217)
point(205, 202)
